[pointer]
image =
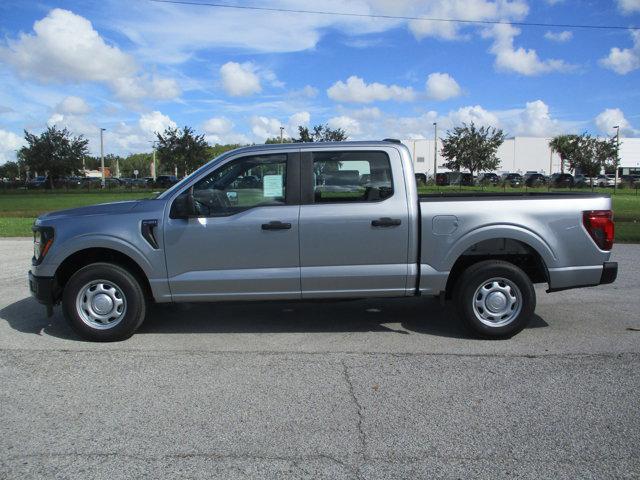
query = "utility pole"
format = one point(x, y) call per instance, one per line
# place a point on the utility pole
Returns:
point(615, 184)
point(102, 155)
point(281, 134)
point(435, 150)
point(153, 165)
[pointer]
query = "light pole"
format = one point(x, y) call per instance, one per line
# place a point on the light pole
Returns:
point(102, 155)
point(435, 150)
point(615, 184)
point(281, 134)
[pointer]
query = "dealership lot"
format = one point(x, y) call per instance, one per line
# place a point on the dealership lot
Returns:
point(366, 389)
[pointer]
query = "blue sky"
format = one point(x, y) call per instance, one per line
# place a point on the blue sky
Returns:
point(135, 67)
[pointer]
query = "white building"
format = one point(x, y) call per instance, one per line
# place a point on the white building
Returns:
point(522, 154)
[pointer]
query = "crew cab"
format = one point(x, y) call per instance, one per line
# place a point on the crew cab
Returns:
point(318, 221)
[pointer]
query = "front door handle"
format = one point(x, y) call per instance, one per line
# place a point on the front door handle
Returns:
point(275, 225)
point(386, 222)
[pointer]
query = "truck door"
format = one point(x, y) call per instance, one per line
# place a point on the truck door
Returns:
point(354, 228)
point(243, 243)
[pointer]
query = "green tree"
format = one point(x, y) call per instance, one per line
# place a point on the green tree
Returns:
point(10, 170)
point(321, 133)
point(472, 148)
point(54, 152)
point(218, 149)
point(589, 155)
point(564, 146)
point(181, 148)
point(137, 161)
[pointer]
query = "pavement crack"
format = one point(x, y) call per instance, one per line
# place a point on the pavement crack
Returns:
point(359, 411)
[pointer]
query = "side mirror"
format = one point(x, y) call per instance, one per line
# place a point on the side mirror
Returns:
point(184, 205)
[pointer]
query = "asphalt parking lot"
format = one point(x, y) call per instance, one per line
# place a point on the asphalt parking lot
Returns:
point(366, 389)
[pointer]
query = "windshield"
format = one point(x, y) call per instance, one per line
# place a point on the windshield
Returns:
point(186, 179)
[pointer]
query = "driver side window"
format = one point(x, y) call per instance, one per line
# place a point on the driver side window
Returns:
point(242, 184)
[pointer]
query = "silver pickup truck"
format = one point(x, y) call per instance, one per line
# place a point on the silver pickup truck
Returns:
point(318, 221)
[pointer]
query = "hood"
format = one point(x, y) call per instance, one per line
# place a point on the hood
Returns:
point(100, 209)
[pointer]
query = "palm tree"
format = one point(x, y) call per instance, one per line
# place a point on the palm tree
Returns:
point(563, 145)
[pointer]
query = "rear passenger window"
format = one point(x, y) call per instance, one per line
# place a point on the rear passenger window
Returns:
point(351, 177)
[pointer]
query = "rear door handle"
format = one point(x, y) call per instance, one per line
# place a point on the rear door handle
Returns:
point(386, 222)
point(275, 225)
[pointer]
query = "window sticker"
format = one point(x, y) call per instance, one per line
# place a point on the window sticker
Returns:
point(272, 186)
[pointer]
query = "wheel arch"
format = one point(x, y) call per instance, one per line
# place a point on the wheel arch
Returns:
point(507, 248)
point(81, 258)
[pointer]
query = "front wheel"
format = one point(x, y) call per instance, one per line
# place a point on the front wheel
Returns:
point(104, 302)
point(495, 299)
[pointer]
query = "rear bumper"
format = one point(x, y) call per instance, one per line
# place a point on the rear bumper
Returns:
point(579, 277)
point(609, 272)
point(42, 289)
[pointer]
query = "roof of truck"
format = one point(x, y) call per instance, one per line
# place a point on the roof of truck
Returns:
point(315, 145)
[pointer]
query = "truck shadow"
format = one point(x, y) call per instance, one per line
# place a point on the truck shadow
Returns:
point(396, 316)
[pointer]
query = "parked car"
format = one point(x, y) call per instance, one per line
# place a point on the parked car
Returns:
point(488, 178)
point(291, 240)
point(607, 180)
point(38, 182)
point(454, 178)
point(630, 181)
point(535, 180)
point(421, 178)
point(165, 181)
point(561, 180)
point(512, 179)
point(443, 179)
point(461, 178)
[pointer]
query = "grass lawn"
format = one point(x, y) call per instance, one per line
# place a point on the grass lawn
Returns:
point(19, 209)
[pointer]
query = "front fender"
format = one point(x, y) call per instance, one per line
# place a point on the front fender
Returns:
point(83, 242)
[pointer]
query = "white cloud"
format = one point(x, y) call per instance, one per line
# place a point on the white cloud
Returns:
point(442, 86)
point(306, 92)
point(218, 125)
point(66, 48)
point(611, 117)
point(357, 91)
point(155, 121)
point(265, 127)
point(73, 105)
point(519, 60)
point(240, 80)
point(475, 114)
point(366, 113)
point(623, 61)
point(535, 121)
point(463, 9)
point(298, 119)
point(164, 88)
point(559, 37)
point(220, 130)
point(628, 7)
point(9, 143)
point(350, 125)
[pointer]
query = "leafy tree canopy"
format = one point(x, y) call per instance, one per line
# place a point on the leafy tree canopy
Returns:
point(472, 148)
point(181, 148)
point(54, 152)
point(589, 155)
point(321, 133)
point(564, 146)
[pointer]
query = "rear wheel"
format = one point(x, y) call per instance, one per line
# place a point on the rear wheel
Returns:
point(495, 299)
point(104, 302)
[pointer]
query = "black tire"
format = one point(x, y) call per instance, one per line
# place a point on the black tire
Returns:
point(131, 290)
point(479, 274)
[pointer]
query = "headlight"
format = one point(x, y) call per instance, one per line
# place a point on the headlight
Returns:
point(42, 240)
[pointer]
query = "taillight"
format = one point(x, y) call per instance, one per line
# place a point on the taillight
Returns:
point(599, 224)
